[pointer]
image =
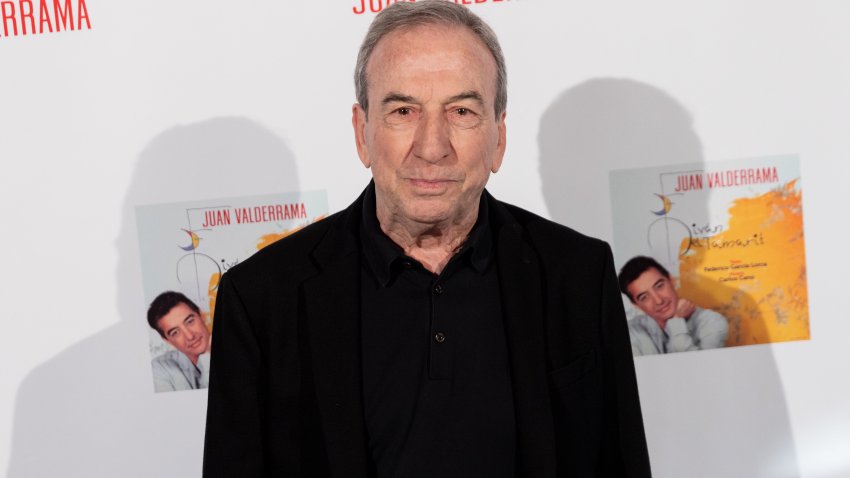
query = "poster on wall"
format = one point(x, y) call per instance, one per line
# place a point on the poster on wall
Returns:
point(185, 248)
point(711, 255)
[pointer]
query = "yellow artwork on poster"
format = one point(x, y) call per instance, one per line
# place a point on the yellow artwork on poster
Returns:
point(760, 286)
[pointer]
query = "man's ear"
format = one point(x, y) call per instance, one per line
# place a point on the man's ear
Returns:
point(501, 145)
point(358, 121)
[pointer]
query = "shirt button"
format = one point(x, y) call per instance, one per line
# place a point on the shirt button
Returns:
point(438, 289)
point(440, 337)
point(407, 264)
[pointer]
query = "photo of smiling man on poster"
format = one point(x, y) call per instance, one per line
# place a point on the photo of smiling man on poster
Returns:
point(669, 323)
point(180, 323)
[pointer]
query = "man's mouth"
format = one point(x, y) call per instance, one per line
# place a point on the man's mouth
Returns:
point(429, 184)
point(665, 307)
point(428, 181)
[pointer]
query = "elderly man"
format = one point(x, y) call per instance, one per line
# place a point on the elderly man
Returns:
point(428, 330)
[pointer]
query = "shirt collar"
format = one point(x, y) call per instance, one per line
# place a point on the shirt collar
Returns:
point(387, 259)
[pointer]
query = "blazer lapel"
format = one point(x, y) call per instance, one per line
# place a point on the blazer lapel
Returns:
point(332, 302)
point(522, 305)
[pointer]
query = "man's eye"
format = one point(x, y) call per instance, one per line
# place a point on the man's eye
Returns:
point(464, 117)
point(403, 115)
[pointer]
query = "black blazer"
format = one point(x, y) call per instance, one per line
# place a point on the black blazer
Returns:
point(286, 398)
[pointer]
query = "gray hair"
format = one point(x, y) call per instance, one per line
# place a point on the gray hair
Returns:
point(429, 12)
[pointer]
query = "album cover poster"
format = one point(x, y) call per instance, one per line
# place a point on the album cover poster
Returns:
point(729, 235)
point(184, 249)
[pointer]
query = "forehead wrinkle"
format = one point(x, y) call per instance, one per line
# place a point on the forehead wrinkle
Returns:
point(393, 97)
point(467, 95)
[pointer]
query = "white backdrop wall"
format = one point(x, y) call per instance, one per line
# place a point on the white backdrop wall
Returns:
point(163, 101)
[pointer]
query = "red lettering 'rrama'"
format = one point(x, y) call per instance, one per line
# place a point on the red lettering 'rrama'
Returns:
point(19, 17)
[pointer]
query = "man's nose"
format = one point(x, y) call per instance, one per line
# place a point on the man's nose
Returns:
point(190, 334)
point(656, 298)
point(432, 142)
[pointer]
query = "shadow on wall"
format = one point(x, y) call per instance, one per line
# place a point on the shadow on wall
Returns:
point(90, 411)
point(601, 125)
point(709, 413)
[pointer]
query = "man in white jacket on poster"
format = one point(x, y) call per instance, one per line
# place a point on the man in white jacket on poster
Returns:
point(669, 323)
point(180, 323)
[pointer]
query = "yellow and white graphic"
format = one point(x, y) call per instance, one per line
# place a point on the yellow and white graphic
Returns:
point(731, 236)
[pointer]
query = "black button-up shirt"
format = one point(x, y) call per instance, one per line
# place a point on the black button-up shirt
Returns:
point(436, 377)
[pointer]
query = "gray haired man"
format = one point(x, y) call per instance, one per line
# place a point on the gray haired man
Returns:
point(428, 330)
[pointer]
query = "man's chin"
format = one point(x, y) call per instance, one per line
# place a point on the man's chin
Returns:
point(667, 312)
point(661, 317)
point(665, 317)
point(429, 210)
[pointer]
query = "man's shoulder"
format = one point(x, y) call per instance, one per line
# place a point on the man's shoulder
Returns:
point(173, 370)
point(166, 360)
point(640, 324)
point(168, 363)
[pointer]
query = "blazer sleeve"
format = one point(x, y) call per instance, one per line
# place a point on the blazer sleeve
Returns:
point(625, 442)
point(233, 445)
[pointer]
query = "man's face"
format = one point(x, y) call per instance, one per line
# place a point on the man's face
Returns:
point(654, 294)
point(185, 330)
point(431, 137)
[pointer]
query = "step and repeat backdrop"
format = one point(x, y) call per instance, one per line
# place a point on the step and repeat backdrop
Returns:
point(148, 146)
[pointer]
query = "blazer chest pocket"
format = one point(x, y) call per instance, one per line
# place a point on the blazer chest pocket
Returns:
point(573, 371)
